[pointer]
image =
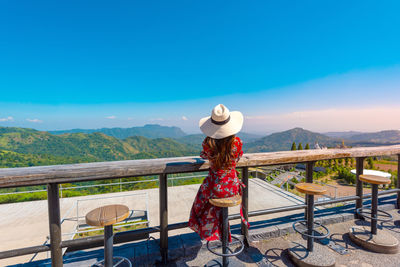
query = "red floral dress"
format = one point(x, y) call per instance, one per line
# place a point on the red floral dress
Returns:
point(205, 219)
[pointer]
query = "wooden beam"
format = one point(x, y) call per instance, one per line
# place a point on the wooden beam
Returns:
point(14, 177)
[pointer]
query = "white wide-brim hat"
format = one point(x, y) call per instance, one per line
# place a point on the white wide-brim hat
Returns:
point(221, 123)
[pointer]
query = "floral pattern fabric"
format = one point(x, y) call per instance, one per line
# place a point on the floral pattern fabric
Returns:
point(205, 219)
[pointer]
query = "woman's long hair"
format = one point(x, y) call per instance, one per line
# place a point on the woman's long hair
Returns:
point(221, 151)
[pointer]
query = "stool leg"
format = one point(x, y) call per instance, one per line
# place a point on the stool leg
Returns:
point(310, 222)
point(225, 236)
point(374, 209)
point(108, 246)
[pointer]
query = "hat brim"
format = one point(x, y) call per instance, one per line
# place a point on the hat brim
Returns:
point(221, 131)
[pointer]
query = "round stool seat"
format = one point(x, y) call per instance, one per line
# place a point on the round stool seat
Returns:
point(310, 189)
point(107, 215)
point(226, 202)
point(374, 179)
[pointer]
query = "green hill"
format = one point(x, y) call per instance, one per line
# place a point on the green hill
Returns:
point(10, 159)
point(283, 140)
point(149, 131)
point(94, 146)
point(160, 147)
point(81, 147)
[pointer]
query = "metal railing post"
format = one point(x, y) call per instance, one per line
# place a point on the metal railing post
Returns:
point(54, 224)
point(245, 204)
point(359, 184)
point(309, 171)
point(163, 191)
point(309, 179)
point(398, 180)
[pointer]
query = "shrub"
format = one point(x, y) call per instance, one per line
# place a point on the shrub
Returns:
point(346, 175)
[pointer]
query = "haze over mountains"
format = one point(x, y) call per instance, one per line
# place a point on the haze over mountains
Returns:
point(28, 147)
point(386, 136)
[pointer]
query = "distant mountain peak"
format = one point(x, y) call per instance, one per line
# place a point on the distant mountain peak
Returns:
point(283, 140)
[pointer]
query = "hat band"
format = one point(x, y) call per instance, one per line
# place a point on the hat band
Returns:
point(220, 122)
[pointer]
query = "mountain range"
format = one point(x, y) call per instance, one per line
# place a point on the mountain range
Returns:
point(283, 140)
point(28, 147)
point(148, 130)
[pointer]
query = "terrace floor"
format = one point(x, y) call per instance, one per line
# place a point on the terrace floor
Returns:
point(271, 238)
point(26, 223)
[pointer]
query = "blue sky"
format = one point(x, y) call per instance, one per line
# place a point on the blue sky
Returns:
point(91, 64)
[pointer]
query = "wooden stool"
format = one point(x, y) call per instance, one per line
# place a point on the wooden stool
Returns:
point(306, 256)
point(224, 203)
point(106, 216)
point(378, 241)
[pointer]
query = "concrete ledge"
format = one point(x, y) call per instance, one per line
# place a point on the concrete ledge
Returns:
point(191, 244)
point(175, 248)
point(382, 242)
point(319, 257)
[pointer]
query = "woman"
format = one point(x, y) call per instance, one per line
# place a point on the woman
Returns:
point(223, 150)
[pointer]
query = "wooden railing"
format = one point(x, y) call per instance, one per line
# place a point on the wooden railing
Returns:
point(52, 176)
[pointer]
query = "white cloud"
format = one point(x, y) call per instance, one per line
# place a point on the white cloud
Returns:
point(184, 118)
point(341, 119)
point(111, 117)
point(9, 118)
point(34, 120)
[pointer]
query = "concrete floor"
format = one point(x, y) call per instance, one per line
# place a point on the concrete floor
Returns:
point(273, 252)
point(265, 252)
point(26, 224)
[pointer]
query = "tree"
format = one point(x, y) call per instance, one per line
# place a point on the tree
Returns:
point(293, 146)
point(307, 146)
point(300, 147)
point(370, 162)
point(346, 175)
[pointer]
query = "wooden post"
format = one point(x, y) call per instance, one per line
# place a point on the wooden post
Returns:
point(53, 204)
point(359, 184)
point(398, 180)
point(309, 179)
point(163, 191)
point(245, 204)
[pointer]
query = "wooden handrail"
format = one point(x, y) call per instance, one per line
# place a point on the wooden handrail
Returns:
point(14, 177)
